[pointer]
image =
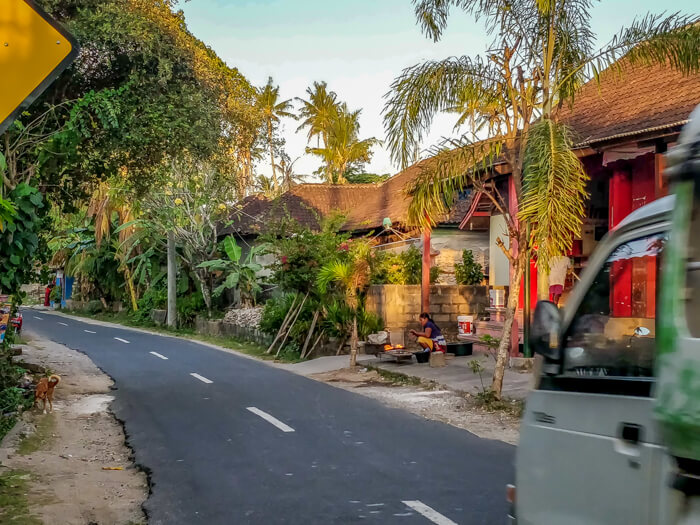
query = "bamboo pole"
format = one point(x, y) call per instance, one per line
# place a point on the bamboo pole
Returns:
point(310, 334)
point(313, 347)
point(292, 308)
point(342, 344)
point(284, 340)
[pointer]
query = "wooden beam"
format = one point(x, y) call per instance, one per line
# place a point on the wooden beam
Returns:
point(584, 152)
point(425, 276)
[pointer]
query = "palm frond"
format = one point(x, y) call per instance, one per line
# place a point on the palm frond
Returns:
point(449, 170)
point(432, 15)
point(554, 190)
point(652, 39)
point(317, 112)
point(423, 90)
point(335, 271)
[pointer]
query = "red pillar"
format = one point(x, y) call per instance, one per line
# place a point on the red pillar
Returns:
point(425, 278)
point(621, 271)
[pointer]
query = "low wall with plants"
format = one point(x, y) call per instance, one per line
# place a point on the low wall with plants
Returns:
point(222, 328)
point(400, 305)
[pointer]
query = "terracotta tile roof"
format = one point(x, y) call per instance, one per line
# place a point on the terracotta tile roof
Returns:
point(638, 101)
point(365, 205)
point(632, 102)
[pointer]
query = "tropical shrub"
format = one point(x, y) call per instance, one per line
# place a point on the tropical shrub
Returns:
point(300, 252)
point(94, 306)
point(155, 297)
point(368, 323)
point(274, 313)
point(20, 237)
point(337, 319)
point(56, 294)
point(400, 268)
point(239, 274)
point(188, 307)
point(468, 272)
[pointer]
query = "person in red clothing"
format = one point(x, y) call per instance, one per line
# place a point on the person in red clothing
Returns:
point(47, 294)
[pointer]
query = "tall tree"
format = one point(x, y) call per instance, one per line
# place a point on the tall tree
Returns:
point(273, 110)
point(318, 112)
point(343, 150)
point(543, 51)
point(286, 168)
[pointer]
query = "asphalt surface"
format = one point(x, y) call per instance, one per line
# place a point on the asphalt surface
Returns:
point(326, 456)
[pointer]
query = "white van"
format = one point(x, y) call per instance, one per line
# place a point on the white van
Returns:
point(590, 450)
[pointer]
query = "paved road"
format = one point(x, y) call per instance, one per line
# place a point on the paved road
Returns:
point(230, 440)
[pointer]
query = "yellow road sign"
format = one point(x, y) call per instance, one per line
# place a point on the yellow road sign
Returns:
point(34, 50)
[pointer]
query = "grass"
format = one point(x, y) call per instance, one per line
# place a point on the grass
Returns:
point(40, 438)
point(244, 347)
point(488, 401)
point(14, 505)
point(396, 378)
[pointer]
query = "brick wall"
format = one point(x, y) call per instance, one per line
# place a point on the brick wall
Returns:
point(399, 305)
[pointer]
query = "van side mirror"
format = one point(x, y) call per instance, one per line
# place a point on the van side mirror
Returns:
point(545, 330)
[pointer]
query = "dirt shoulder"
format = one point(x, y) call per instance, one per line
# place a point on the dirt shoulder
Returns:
point(429, 401)
point(53, 466)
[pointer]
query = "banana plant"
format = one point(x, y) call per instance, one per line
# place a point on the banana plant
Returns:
point(239, 274)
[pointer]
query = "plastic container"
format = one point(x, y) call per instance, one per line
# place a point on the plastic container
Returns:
point(465, 324)
point(422, 357)
point(460, 349)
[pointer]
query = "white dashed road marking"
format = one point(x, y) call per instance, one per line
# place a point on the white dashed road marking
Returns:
point(64, 324)
point(201, 378)
point(159, 355)
point(40, 318)
point(89, 331)
point(122, 340)
point(270, 419)
point(427, 512)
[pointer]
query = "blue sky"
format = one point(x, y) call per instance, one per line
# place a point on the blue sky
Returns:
point(357, 46)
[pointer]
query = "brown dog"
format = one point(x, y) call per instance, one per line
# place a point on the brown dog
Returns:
point(44, 391)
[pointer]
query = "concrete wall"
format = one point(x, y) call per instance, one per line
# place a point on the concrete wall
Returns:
point(400, 305)
point(499, 274)
point(450, 242)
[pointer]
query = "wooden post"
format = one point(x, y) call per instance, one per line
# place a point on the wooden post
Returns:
point(425, 278)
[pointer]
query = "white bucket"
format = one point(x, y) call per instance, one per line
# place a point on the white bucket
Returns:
point(465, 324)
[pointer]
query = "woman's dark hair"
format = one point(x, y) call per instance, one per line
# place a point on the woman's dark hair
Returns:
point(426, 315)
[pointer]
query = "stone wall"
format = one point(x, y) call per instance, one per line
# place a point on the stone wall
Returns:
point(253, 335)
point(221, 328)
point(400, 306)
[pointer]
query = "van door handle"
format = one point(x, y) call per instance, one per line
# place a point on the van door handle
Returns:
point(630, 433)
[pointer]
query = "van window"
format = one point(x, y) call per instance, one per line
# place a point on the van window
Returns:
point(613, 331)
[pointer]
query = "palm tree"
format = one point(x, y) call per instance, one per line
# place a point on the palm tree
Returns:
point(289, 177)
point(352, 277)
point(106, 202)
point(318, 112)
point(544, 50)
point(265, 185)
point(343, 150)
point(273, 110)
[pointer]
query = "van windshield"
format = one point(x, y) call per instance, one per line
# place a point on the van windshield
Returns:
point(614, 329)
